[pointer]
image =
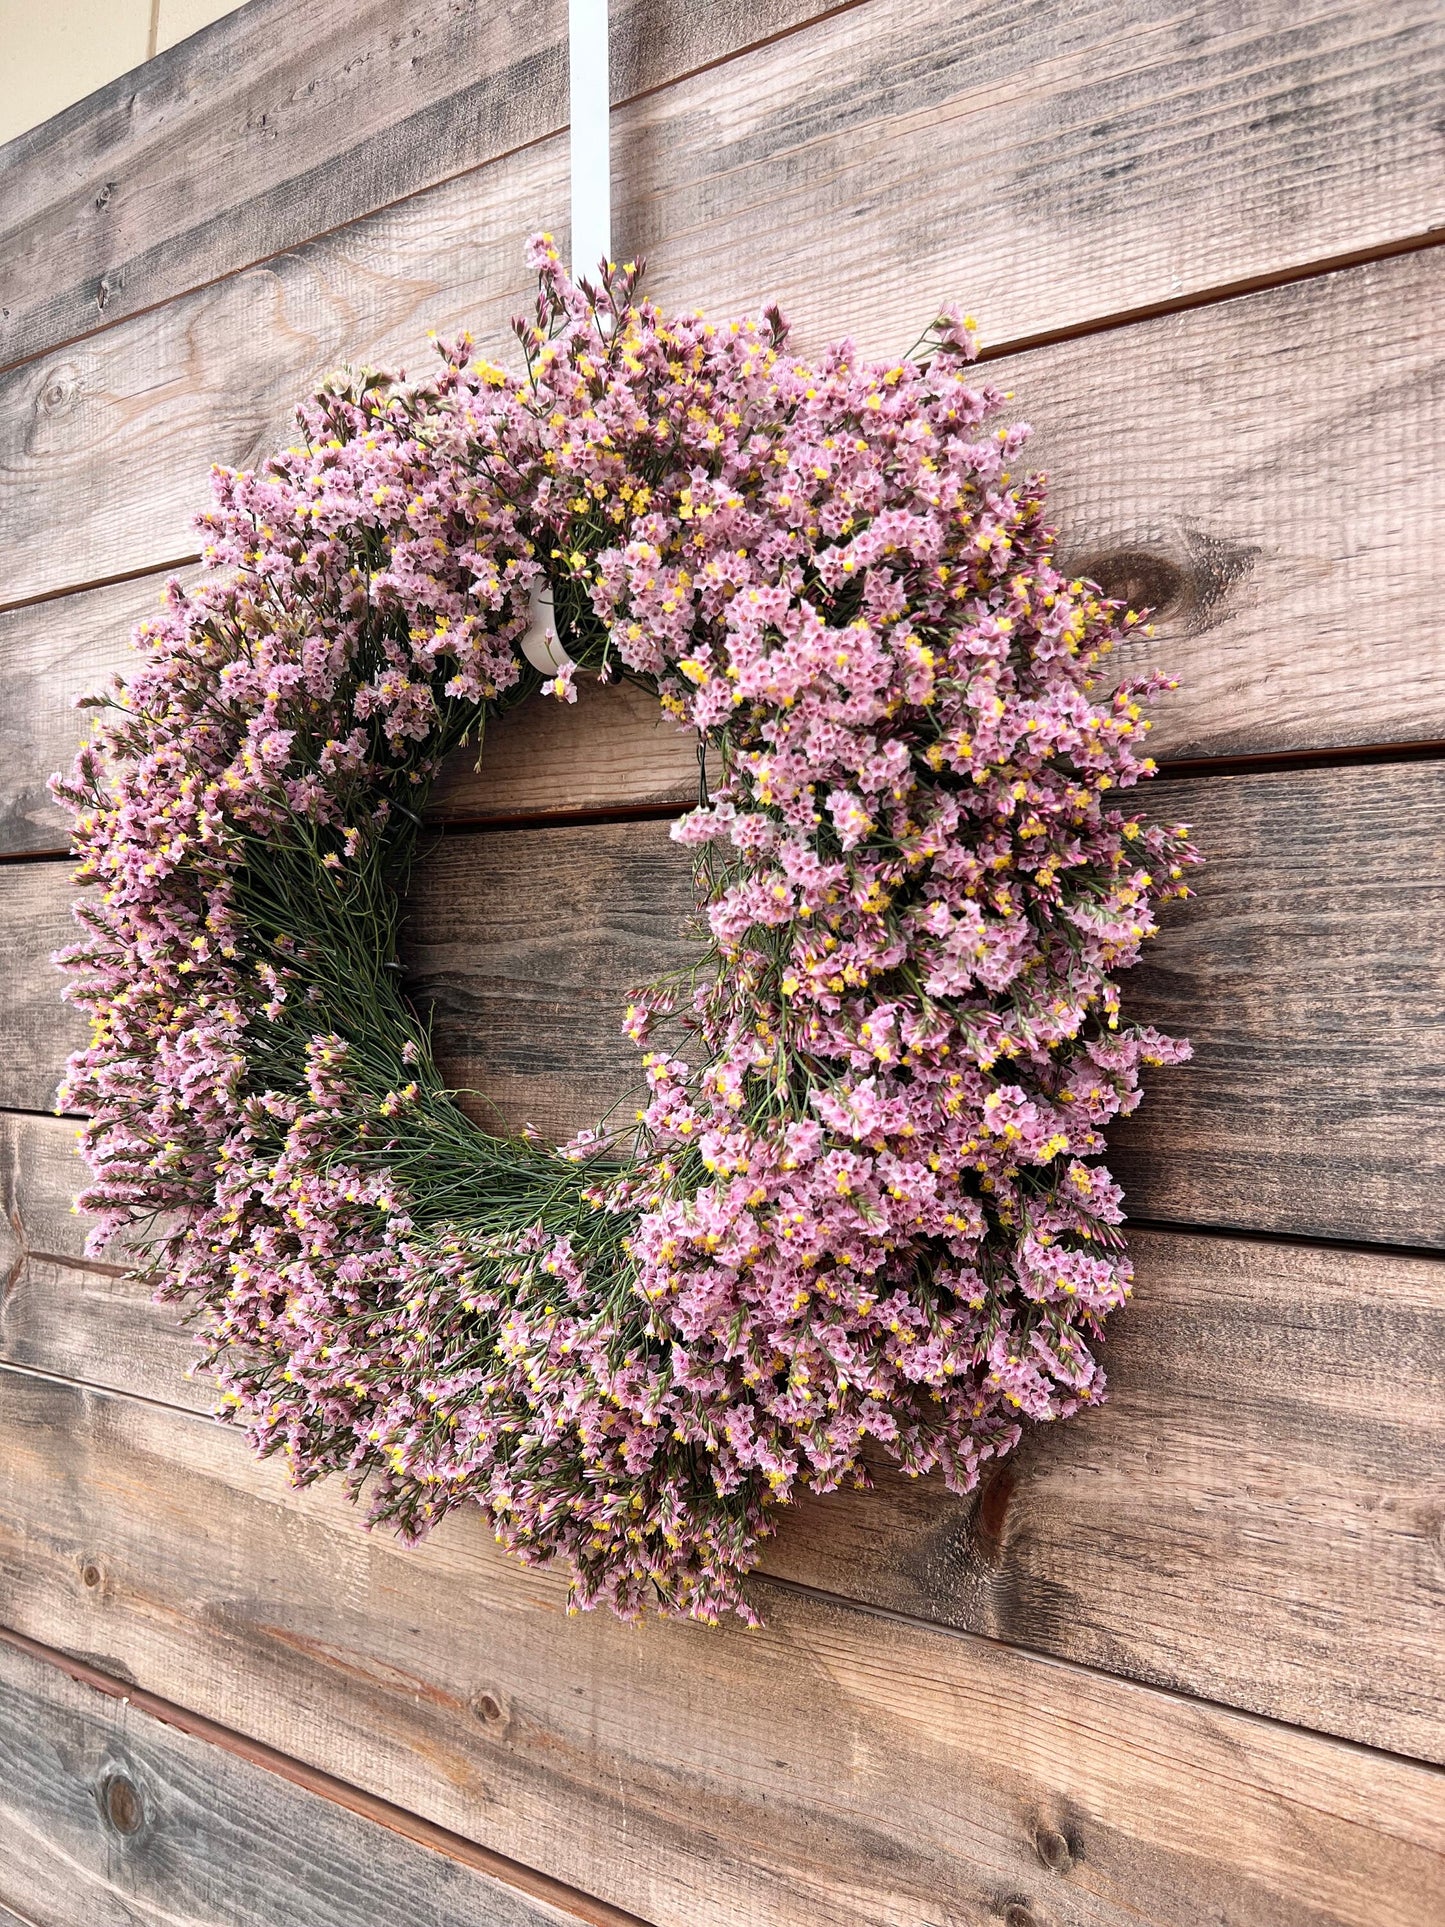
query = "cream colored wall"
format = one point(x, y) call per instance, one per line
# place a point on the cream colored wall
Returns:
point(53, 52)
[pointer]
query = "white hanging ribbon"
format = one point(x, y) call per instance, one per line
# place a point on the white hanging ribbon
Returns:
point(591, 136)
point(591, 109)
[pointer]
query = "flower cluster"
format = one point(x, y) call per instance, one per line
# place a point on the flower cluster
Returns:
point(861, 1198)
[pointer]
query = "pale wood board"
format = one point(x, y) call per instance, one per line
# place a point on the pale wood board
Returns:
point(836, 1767)
point(1052, 166)
point(1306, 974)
point(299, 117)
point(205, 1839)
point(1254, 1517)
point(1296, 607)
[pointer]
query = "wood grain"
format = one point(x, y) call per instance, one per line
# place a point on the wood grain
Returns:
point(693, 1776)
point(1235, 505)
point(298, 118)
point(1257, 1516)
point(113, 1819)
point(1139, 158)
point(1307, 975)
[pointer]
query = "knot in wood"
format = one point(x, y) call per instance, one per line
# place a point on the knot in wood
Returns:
point(1053, 1849)
point(121, 1805)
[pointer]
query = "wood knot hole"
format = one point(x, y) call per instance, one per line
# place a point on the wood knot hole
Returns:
point(122, 1805)
point(1139, 578)
point(91, 1575)
point(489, 1709)
point(1017, 1915)
point(1053, 1849)
point(59, 391)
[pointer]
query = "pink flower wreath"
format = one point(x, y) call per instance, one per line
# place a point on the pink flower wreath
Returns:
point(861, 1200)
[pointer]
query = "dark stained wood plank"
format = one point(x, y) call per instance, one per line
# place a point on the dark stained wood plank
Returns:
point(299, 117)
point(1236, 503)
point(1306, 974)
point(836, 1767)
point(1309, 981)
point(111, 1818)
point(1254, 1517)
point(1144, 157)
point(573, 919)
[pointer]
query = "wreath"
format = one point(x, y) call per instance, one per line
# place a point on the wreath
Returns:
point(860, 1200)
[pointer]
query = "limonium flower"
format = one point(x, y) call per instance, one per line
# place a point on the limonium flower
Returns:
point(860, 1206)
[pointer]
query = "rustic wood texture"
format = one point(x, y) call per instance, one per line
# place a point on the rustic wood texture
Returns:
point(1306, 974)
point(299, 118)
point(62, 1311)
point(1254, 1517)
point(836, 1767)
point(927, 145)
point(1232, 503)
point(112, 1819)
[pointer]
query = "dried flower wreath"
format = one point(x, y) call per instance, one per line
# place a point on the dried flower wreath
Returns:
point(864, 1205)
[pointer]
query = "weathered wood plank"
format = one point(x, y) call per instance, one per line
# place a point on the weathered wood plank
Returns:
point(299, 118)
point(1142, 161)
point(110, 1817)
point(1307, 976)
point(1253, 1518)
point(836, 1767)
point(1236, 503)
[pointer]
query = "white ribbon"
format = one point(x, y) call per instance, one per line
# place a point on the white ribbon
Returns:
point(591, 135)
point(591, 234)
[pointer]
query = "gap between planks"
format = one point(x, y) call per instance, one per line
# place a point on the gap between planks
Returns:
point(367, 1806)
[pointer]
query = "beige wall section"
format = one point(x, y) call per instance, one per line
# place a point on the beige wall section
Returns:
point(55, 52)
point(177, 19)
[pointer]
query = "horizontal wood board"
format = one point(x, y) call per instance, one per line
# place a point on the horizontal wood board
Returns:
point(1257, 1515)
point(300, 118)
point(112, 1819)
point(1306, 974)
point(836, 1767)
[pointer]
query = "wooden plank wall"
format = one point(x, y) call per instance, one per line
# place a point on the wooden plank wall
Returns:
point(1178, 1662)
